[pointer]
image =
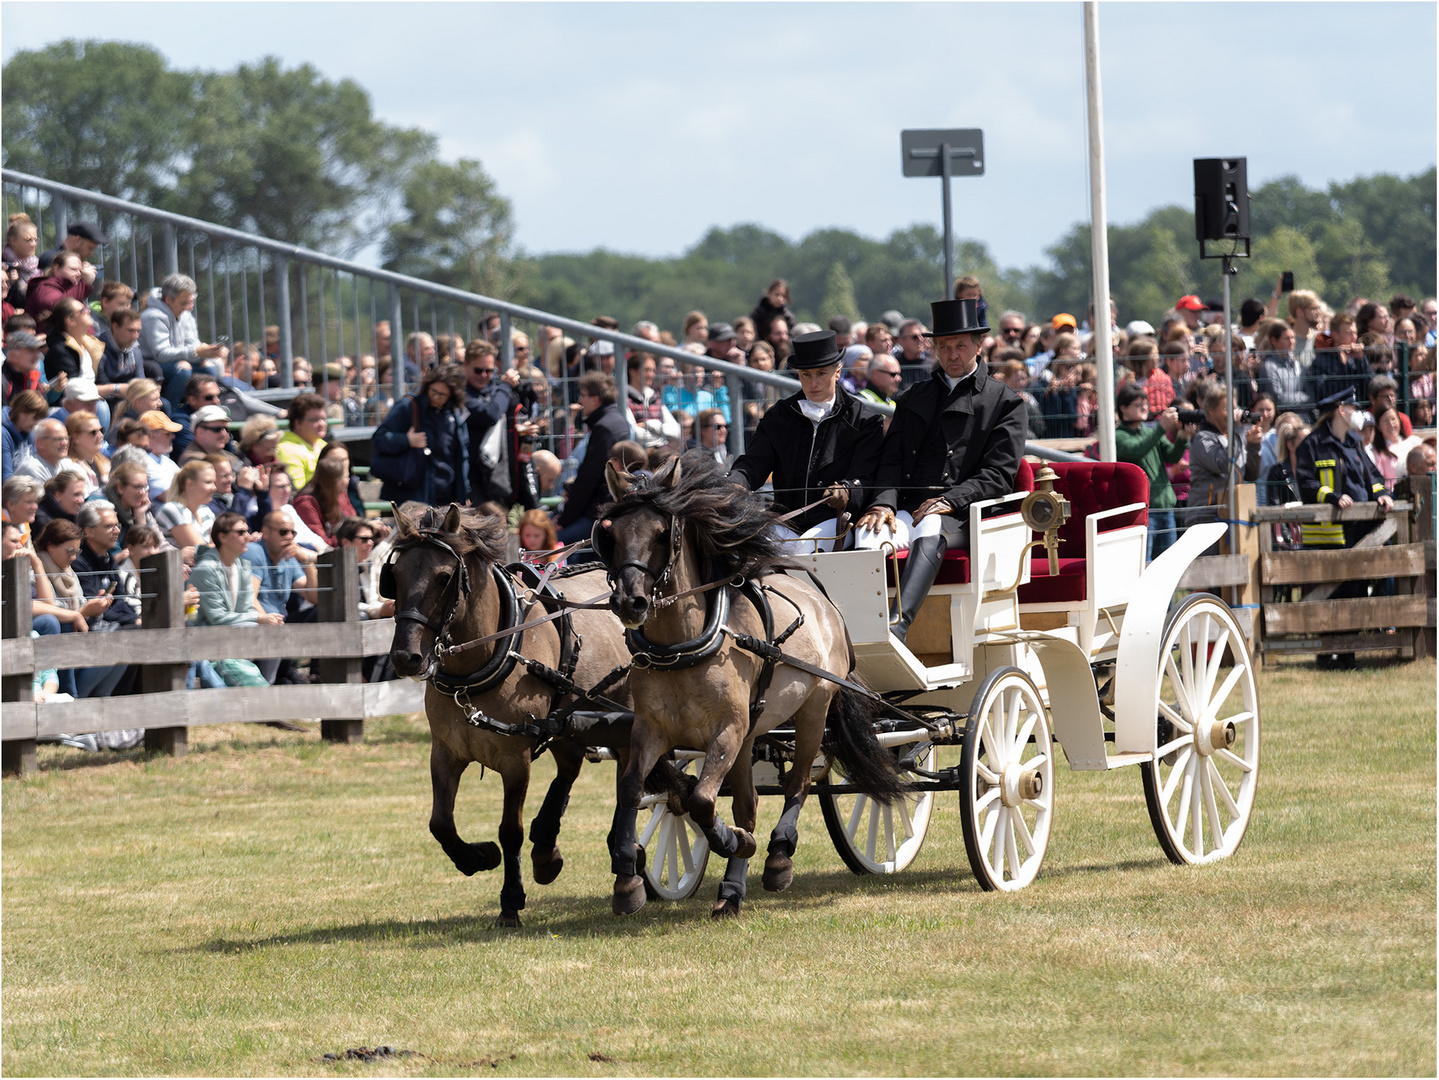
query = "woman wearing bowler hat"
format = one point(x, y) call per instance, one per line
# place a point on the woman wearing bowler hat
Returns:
point(956, 439)
point(818, 444)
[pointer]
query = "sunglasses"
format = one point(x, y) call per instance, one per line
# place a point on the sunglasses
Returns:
point(482, 371)
point(214, 430)
point(280, 532)
point(365, 539)
point(210, 397)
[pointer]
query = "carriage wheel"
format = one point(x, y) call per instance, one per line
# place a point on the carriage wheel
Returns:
point(676, 851)
point(1006, 795)
point(872, 838)
point(1200, 784)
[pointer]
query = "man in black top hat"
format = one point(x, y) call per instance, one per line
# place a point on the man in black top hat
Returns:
point(817, 444)
point(956, 439)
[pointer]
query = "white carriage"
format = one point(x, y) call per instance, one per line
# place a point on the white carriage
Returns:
point(1023, 645)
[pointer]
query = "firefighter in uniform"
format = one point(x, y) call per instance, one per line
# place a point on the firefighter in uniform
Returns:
point(1333, 468)
point(817, 444)
point(956, 438)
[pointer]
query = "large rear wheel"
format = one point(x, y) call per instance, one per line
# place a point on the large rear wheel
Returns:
point(1006, 796)
point(1200, 785)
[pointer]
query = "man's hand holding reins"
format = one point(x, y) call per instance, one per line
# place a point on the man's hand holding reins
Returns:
point(836, 496)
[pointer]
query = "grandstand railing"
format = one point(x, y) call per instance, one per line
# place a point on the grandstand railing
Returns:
point(246, 281)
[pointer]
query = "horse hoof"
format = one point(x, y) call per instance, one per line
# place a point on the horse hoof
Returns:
point(549, 868)
point(477, 857)
point(629, 895)
point(778, 874)
point(507, 920)
point(725, 909)
point(747, 846)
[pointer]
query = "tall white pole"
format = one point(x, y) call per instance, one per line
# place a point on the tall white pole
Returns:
point(1099, 228)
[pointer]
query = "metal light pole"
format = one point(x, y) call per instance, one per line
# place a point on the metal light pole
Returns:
point(927, 152)
point(1099, 233)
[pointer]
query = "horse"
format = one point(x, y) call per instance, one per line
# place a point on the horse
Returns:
point(666, 535)
point(449, 589)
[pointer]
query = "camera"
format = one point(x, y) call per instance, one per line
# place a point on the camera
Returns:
point(1248, 417)
point(1191, 416)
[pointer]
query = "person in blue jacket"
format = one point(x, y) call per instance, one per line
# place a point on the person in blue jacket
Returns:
point(432, 420)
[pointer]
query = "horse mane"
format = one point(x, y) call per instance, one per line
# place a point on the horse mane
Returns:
point(469, 532)
point(731, 527)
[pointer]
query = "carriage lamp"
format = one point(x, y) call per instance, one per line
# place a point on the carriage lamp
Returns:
point(1045, 510)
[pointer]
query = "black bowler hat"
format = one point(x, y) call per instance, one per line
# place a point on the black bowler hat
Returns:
point(956, 317)
point(813, 350)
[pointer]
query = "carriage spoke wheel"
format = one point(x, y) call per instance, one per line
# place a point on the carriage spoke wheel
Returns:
point(1006, 794)
point(870, 837)
point(1200, 785)
point(676, 851)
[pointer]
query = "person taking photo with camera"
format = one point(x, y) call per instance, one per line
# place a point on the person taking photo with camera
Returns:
point(1209, 464)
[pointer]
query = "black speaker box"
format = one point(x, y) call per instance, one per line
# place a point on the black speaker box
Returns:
point(1221, 199)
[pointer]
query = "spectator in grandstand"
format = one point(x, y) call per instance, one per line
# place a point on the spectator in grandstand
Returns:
point(711, 432)
point(547, 469)
point(170, 337)
point(224, 579)
point(1383, 393)
point(235, 486)
point(1339, 361)
point(647, 409)
point(139, 397)
point(20, 500)
point(1281, 373)
point(854, 368)
point(73, 348)
point(1151, 447)
point(1209, 464)
point(1011, 328)
point(81, 240)
point(278, 497)
point(1374, 318)
point(429, 420)
point(877, 339)
point(22, 364)
point(606, 426)
point(283, 567)
point(1060, 400)
point(778, 337)
point(85, 454)
point(128, 492)
point(259, 437)
point(21, 240)
point(161, 466)
point(25, 411)
point(52, 443)
point(121, 361)
point(774, 304)
point(818, 444)
point(1281, 485)
point(693, 398)
point(1306, 313)
point(1190, 308)
point(299, 448)
point(695, 329)
point(537, 533)
point(913, 345)
point(69, 278)
point(58, 546)
point(185, 516)
point(210, 434)
point(720, 343)
point(927, 481)
point(95, 566)
point(489, 402)
point(325, 500)
point(1390, 449)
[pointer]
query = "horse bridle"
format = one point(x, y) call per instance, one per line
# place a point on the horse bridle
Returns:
point(459, 584)
point(604, 547)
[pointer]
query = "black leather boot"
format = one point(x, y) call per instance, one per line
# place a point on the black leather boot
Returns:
point(926, 555)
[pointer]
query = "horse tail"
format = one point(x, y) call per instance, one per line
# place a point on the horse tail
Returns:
point(849, 738)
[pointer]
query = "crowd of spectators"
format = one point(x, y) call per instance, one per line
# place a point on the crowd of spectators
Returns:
point(124, 433)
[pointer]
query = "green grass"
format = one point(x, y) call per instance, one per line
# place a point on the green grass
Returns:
point(272, 899)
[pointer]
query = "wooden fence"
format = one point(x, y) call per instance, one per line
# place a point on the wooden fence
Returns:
point(336, 643)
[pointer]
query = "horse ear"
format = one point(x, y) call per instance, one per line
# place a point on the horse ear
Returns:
point(619, 482)
point(669, 474)
point(453, 518)
point(403, 524)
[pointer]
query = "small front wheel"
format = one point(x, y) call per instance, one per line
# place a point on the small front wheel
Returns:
point(870, 837)
point(676, 851)
point(1006, 781)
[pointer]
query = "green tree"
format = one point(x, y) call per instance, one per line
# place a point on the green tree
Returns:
point(456, 229)
point(838, 295)
point(101, 115)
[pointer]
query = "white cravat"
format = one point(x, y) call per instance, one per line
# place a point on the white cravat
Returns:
point(816, 410)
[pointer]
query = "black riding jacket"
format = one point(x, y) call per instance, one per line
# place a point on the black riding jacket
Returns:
point(805, 458)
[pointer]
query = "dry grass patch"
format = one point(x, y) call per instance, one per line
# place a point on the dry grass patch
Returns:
point(272, 899)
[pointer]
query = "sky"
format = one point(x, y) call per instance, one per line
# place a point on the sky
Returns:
point(637, 127)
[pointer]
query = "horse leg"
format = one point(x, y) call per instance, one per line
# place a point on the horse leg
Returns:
point(646, 747)
point(515, 772)
point(445, 770)
point(545, 857)
point(744, 808)
point(720, 758)
point(809, 733)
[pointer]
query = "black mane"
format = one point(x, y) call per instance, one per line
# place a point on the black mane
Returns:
point(730, 526)
point(479, 533)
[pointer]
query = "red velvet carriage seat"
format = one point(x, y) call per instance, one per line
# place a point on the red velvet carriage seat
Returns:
point(1090, 486)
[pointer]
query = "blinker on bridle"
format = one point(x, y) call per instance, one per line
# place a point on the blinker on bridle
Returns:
point(605, 549)
point(459, 584)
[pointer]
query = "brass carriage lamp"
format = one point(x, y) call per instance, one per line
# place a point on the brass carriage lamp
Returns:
point(1045, 510)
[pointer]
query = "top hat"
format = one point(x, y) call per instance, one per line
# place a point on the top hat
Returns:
point(813, 350)
point(956, 317)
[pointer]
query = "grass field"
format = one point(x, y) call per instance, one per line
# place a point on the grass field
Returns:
point(272, 899)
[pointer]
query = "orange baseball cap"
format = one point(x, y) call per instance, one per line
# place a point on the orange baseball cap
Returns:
point(155, 420)
point(1063, 320)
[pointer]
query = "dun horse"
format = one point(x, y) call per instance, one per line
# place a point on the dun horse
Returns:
point(449, 589)
point(694, 687)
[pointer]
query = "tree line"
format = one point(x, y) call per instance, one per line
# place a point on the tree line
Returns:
point(291, 155)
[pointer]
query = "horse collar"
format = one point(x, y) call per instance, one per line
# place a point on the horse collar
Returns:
point(502, 660)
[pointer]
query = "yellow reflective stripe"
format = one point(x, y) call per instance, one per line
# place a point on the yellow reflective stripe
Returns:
point(1330, 462)
point(1324, 493)
point(1377, 489)
point(1322, 534)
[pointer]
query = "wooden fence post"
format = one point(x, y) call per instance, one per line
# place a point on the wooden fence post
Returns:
point(162, 607)
point(338, 601)
point(15, 622)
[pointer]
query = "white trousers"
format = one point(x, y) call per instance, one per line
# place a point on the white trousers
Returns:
point(903, 533)
point(819, 538)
